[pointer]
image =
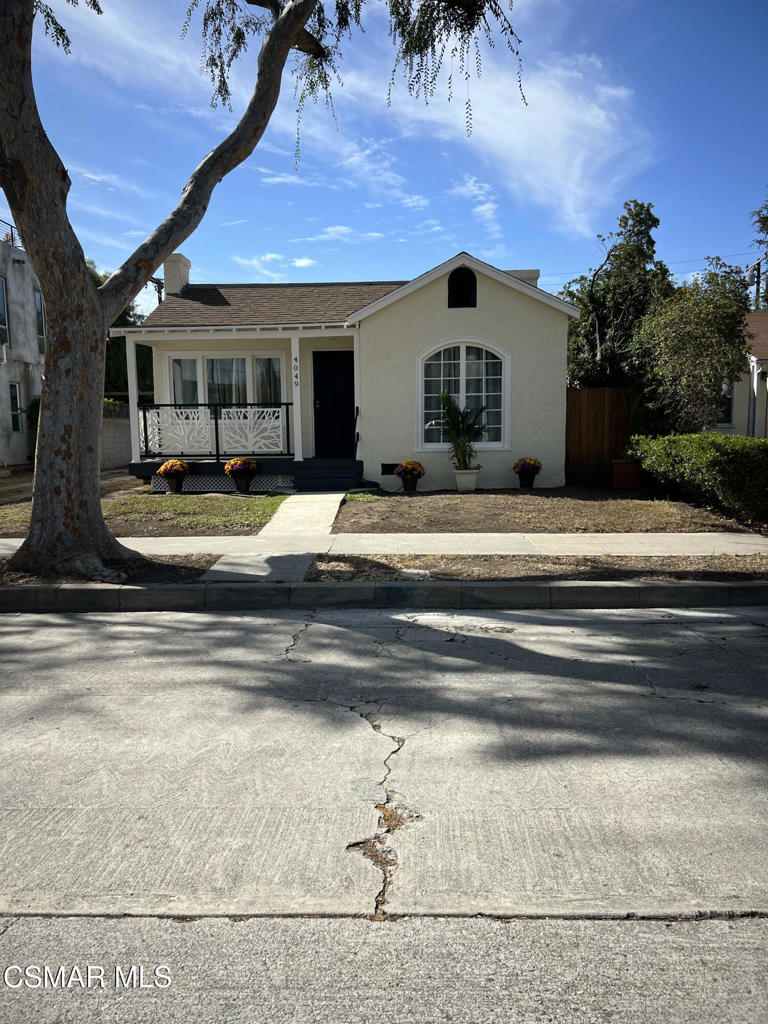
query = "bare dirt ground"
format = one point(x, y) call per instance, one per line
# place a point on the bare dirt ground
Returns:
point(160, 569)
point(371, 568)
point(561, 510)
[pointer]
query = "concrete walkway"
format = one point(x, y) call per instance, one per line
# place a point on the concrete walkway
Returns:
point(671, 544)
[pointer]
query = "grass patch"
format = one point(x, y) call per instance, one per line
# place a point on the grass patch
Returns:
point(175, 515)
point(363, 496)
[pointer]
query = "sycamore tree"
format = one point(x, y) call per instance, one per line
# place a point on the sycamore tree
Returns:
point(67, 531)
point(693, 346)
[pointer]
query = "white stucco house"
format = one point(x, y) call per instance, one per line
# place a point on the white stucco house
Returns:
point(745, 410)
point(329, 384)
point(22, 348)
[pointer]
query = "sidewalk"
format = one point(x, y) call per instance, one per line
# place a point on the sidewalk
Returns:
point(267, 570)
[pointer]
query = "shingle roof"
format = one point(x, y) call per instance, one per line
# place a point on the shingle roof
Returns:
point(235, 305)
point(757, 325)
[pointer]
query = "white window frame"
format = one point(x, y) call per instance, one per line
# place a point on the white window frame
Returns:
point(443, 446)
point(6, 325)
point(19, 403)
point(272, 354)
point(202, 374)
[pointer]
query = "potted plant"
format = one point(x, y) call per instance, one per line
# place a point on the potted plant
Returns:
point(527, 470)
point(242, 470)
point(462, 428)
point(174, 471)
point(410, 472)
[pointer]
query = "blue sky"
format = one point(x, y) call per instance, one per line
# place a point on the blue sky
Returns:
point(659, 101)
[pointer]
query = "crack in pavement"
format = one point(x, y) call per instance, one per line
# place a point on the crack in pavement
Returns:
point(10, 924)
point(393, 815)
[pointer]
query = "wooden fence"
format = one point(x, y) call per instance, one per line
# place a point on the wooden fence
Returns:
point(596, 424)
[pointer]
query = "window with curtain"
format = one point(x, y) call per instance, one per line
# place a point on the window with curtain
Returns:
point(226, 381)
point(266, 380)
point(184, 374)
point(473, 375)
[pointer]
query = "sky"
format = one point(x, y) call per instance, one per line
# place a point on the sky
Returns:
point(657, 100)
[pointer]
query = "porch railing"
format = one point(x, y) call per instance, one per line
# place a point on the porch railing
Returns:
point(172, 429)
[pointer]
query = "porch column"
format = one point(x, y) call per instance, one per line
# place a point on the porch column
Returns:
point(356, 370)
point(298, 454)
point(133, 396)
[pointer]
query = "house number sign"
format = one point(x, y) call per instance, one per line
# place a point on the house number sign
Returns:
point(295, 372)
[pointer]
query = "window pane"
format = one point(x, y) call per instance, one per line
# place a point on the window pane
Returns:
point(15, 408)
point(266, 380)
point(492, 434)
point(226, 382)
point(185, 381)
point(3, 315)
point(40, 315)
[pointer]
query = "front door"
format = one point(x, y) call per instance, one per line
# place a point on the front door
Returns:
point(333, 377)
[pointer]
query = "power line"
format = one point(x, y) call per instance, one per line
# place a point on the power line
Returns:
point(671, 263)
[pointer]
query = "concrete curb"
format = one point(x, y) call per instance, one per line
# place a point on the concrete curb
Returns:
point(199, 597)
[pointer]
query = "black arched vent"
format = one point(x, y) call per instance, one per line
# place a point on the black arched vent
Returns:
point(462, 288)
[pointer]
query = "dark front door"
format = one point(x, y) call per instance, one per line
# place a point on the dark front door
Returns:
point(334, 386)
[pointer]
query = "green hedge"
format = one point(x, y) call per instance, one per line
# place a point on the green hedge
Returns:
point(724, 469)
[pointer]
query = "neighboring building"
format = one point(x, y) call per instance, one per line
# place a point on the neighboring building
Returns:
point(325, 384)
point(22, 348)
point(746, 406)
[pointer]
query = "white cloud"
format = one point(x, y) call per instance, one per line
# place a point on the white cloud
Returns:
point(111, 181)
point(270, 257)
point(303, 261)
point(570, 151)
point(256, 264)
point(485, 208)
point(233, 223)
point(415, 202)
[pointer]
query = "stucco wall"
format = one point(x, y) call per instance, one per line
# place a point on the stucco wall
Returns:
point(531, 334)
point(23, 363)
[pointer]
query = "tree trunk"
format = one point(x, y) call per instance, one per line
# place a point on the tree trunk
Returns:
point(67, 533)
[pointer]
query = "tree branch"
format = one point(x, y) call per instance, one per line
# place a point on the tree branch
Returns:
point(305, 41)
point(131, 277)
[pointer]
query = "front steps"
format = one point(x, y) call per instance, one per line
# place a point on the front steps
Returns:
point(327, 474)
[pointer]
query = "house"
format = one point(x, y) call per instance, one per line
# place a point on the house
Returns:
point(745, 409)
point(328, 384)
point(22, 347)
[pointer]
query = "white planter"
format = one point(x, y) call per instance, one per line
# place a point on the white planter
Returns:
point(466, 479)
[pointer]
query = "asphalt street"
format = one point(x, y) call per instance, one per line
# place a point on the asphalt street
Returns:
point(362, 816)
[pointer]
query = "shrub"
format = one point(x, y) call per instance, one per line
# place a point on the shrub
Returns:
point(725, 469)
point(114, 410)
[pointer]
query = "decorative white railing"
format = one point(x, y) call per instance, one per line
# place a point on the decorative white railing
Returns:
point(214, 430)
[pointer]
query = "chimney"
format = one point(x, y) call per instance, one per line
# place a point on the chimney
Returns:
point(176, 271)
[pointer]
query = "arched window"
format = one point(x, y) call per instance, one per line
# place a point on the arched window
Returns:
point(473, 375)
point(462, 288)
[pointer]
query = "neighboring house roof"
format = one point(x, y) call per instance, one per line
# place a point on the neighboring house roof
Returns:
point(241, 305)
point(252, 305)
point(757, 325)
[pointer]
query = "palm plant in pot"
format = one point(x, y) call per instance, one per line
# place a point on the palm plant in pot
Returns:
point(462, 429)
